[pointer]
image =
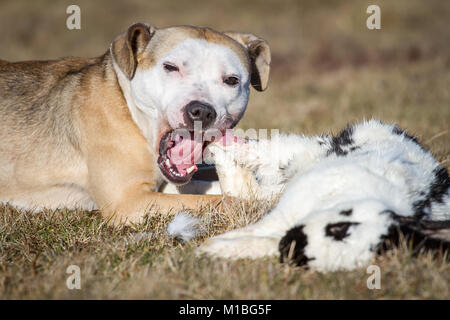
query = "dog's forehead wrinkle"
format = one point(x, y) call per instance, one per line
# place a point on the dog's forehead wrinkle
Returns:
point(199, 52)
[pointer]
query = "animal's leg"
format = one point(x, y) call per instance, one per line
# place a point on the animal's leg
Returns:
point(244, 247)
point(257, 240)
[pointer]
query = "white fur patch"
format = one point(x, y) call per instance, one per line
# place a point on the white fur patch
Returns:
point(184, 227)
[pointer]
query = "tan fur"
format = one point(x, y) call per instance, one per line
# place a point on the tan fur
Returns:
point(67, 137)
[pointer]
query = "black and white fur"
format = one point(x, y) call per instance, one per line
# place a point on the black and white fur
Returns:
point(342, 197)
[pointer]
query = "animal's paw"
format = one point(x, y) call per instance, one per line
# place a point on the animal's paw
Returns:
point(242, 247)
point(227, 149)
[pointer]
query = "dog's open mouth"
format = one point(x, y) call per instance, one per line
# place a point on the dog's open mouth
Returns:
point(179, 153)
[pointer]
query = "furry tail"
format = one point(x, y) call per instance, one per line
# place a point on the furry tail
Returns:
point(184, 227)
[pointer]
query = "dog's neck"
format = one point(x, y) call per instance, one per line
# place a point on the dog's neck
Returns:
point(146, 123)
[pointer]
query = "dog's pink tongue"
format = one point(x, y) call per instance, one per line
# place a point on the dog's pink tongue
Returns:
point(185, 153)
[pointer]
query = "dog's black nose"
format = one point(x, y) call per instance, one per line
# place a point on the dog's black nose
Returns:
point(199, 111)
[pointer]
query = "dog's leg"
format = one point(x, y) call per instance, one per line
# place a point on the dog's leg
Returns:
point(123, 188)
point(137, 201)
point(257, 240)
point(244, 247)
point(236, 181)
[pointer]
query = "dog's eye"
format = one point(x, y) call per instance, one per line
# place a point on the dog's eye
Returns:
point(339, 231)
point(169, 67)
point(231, 81)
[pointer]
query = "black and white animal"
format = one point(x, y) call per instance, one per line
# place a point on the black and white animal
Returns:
point(342, 197)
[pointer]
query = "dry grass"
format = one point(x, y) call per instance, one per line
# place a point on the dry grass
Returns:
point(37, 250)
point(328, 69)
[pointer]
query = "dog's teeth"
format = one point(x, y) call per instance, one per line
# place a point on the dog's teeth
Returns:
point(190, 169)
point(168, 163)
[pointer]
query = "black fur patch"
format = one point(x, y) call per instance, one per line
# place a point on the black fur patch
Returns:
point(292, 246)
point(418, 233)
point(440, 185)
point(346, 213)
point(339, 231)
point(401, 132)
point(345, 138)
point(438, 188)
point(418, 224)
point(415, 239)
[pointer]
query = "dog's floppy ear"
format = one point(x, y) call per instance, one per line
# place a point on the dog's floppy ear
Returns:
point(128, 45)
point(437, 229)
point(432, 228)
point(259, 52)
point(431, 234)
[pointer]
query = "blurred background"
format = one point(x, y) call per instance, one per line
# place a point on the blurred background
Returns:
point(328, 69)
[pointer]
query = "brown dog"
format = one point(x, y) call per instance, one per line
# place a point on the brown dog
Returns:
point(102, 132)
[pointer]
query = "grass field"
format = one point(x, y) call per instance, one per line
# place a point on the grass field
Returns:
point(328, 69)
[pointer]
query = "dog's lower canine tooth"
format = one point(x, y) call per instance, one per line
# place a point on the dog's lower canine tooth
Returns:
point(168, 163)
point(190, 169)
